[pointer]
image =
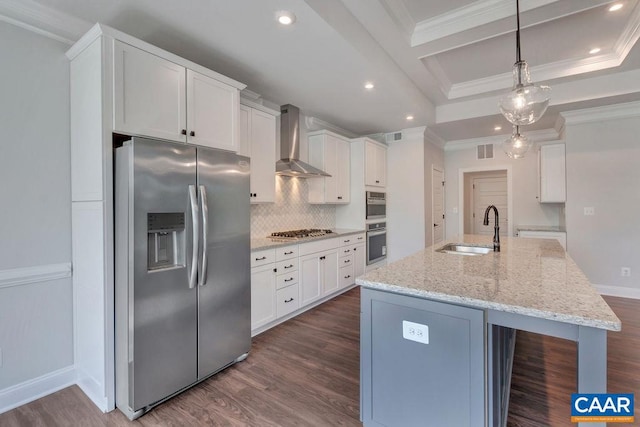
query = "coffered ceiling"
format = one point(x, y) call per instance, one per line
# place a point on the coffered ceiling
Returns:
point(445, 62)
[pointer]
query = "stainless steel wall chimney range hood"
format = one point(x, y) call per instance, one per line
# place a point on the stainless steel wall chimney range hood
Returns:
point(289, 163)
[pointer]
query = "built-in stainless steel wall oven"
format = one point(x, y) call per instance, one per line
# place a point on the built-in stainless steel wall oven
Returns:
point(376, 205)
point(376, 242)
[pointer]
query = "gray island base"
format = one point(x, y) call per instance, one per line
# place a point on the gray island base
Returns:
point(438, 330)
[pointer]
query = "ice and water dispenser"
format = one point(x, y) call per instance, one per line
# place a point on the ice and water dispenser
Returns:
point(165, 240)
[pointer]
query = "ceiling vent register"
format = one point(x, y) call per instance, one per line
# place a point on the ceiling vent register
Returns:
point(485, 151)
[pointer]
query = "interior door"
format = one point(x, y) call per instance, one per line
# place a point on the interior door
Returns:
point(224, 281)
point(163, 305)
point(437, 205)
point(489, 191)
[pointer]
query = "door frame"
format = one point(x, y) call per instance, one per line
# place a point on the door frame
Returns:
point(444, 207)
point(461, 205)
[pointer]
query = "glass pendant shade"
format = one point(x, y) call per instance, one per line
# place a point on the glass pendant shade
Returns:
point(517, 145)
point(526, 102)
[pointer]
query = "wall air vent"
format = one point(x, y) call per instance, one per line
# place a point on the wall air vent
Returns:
point(485, 151)
point(393, 137)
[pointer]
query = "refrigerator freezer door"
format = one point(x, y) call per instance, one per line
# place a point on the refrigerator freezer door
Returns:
point(224, 292)
point(159, 330)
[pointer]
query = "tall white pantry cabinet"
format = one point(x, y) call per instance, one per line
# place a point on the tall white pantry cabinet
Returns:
point(171, 98)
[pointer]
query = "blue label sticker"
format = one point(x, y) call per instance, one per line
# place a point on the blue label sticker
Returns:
point(587, 407)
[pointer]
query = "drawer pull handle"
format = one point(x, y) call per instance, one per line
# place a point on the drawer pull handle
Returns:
point(377, 182)
point(288, 253)
point(346, 241)
point(346, 277)
point(346, 251)
point(322, 257)
point(261, 258)
point(288, 266)
point(360, 238)
point(288, 300)
point(339, 197)
point(289, 279)
point(347, 260)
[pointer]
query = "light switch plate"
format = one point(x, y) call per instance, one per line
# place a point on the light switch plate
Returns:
point(415, 332)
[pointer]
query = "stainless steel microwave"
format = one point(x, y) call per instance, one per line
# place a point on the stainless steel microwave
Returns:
point(376, 205)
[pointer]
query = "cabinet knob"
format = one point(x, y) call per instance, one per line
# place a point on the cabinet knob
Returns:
point(275, 270)
point(377, 182)
point(339, 197)
point(192, 133)
point(355, 249)
point(184, 131)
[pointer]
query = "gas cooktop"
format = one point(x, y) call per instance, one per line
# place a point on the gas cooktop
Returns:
point(300, 234)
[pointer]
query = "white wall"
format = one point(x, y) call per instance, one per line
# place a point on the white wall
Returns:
point(526, 209)
point(405, 196)
point(603, 172)
point(35, 219)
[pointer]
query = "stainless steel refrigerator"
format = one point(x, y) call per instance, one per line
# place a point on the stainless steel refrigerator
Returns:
point(182, 292)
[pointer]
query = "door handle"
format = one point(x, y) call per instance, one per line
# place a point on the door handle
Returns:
point(205, 231)
point(195, 221)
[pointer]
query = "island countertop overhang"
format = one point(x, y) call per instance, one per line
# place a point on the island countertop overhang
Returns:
point(531, 277)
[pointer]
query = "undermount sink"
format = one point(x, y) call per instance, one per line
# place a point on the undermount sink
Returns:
point(461, 249)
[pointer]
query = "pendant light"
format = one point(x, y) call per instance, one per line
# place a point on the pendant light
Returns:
point(526, 102)
point(517, 145)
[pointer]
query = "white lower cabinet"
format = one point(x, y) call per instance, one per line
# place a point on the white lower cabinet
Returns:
point(263, 295)
point(359, 260)
point(319, 275)
point(288, 300)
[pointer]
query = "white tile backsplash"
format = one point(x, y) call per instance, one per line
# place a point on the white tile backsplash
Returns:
point(291, 210)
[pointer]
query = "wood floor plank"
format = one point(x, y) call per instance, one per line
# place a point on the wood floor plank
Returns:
point(305, 372)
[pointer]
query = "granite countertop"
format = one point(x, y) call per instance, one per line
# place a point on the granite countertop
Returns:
point(533, 277)
point(553, 228)
point(269, 243)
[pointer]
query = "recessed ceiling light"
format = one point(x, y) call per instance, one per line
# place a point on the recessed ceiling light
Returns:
point(285, 17)
point(409, 117)
point(369, 85)
point(497, 128)
point(594, 50)
point(615, 7)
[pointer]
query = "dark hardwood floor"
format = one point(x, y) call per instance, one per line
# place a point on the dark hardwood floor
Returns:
point(305, 372)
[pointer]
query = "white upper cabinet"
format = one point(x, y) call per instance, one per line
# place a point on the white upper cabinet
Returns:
point(552, 167)
point(150, 94)
point(375, 164)
point(158, 98)
point(212, 112)
point(331, 153)
point(258, 141)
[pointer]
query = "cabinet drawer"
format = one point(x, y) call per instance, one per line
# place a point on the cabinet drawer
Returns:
point(345, 250)
point(352, 239)
point(286, 279)
point(263, 257)
point(288, 300)
point(346, 276)
point(287, 266)
point(319, 246)
point(345, 260)
point(286, 252)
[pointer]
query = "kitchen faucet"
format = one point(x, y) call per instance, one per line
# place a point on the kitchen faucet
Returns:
point(496, 227)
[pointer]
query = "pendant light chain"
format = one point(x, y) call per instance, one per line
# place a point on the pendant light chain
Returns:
point(518, 57)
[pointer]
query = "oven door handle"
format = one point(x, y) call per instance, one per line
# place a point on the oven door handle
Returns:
point(376, 233)
point(376, 202)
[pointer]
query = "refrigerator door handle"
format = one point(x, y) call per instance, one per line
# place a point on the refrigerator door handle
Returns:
point(205, 231)
point(195, 225)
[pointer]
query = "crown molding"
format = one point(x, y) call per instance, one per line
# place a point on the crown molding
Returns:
point(316, 124)
point(400, 15)
point(555, 70)
point(597, 114)
point(433, 138)
point(468, 17)
point(537, 136)
point(43, 20)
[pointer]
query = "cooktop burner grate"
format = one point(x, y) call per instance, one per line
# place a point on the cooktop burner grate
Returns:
point(297, 234)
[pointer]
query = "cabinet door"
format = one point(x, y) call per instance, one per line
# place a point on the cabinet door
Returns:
point(263, 296)
point(310, 278)
point(343, 172)
point(149, 94)
point(330, 152)
point(244, 133)
point(359, 259)
point(263, 157)
point(329, 267)
point(375, 165)
point(213, 108)
point(552, 174)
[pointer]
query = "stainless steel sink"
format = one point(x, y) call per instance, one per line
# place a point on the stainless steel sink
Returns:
point(461, 249)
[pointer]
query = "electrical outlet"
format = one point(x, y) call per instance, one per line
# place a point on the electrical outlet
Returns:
point(590, 211)
point(625, 272)
point(415, 332)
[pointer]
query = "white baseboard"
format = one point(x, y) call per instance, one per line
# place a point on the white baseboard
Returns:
point(618, 291)
point(93, 390)
point(36, 388)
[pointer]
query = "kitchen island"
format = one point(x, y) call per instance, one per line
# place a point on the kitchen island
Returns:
point(437, 329)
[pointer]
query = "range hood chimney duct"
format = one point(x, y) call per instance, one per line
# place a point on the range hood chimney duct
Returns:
point(290, 163)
